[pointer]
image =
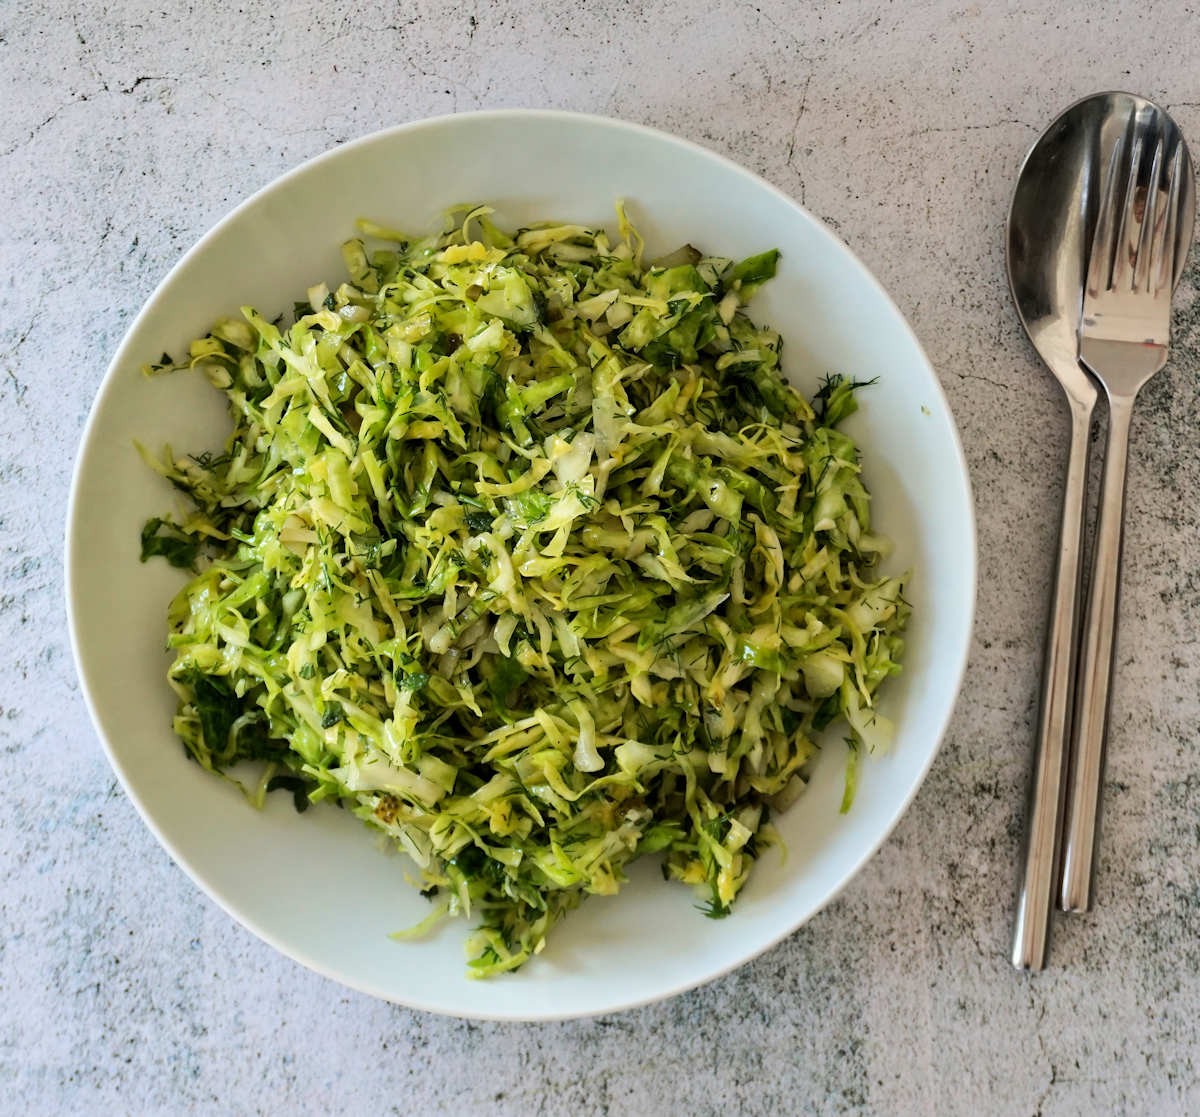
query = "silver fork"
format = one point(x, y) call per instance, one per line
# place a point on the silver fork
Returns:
point(1123, 339)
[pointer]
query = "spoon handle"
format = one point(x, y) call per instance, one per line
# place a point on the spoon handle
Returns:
point(1095, 670)
point(1035, 901)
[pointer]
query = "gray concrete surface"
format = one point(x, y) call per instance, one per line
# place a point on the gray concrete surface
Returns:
point(128, 129)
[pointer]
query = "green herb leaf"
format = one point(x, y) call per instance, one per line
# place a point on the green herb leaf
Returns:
point(161, 537)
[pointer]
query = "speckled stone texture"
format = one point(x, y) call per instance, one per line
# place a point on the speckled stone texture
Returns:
point(128, 130)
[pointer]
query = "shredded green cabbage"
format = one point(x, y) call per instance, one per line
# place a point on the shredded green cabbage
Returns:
point(523, 550)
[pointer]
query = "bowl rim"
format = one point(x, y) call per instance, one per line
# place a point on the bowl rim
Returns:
point(120, 360)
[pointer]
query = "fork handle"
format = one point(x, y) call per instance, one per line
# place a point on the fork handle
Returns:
point(1039, 871)
point(1094, 686)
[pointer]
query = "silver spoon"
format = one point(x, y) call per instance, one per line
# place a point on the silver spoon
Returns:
point(1050, 228)
point(1046, 256)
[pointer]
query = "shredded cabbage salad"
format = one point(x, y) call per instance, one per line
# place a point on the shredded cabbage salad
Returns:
point(522, 549)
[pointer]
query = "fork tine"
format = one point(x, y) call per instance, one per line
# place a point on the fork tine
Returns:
point(1129, 229)
point(1100, 259)
point(1152, 223)
point(1163, 264)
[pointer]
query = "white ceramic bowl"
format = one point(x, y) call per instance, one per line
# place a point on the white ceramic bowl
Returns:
point(318, 887)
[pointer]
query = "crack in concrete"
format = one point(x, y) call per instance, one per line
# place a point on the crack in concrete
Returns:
point(82, 98)
point(1007, 122)
point(986, 380)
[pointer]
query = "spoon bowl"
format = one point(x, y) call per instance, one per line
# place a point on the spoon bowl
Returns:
point(1051, 223)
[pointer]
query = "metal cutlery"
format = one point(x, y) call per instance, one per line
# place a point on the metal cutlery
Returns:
point(1046, 253)
point(1051, 227)
point(1142, 235)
